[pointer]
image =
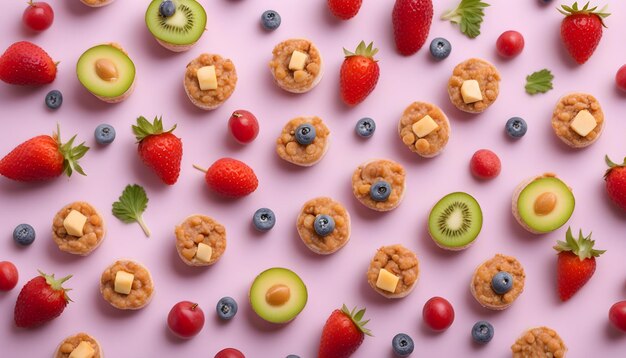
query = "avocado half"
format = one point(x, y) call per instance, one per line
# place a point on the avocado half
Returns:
point(107, 72)
point(527, 204)
point(278, 295)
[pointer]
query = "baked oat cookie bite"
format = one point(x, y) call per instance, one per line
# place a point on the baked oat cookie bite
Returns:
point(210, 80)
point(323, 225)
point(80, 345)
point(578, 119)
point(303, 141)
point(78, 228)
point(498, 282)
point(379, 184)
point(474, 85)
point(200, 240)
point(539, 342)
point(393, 272)
point(127, 285)
point(424, 128)
point(96, 3)
point(297, 65)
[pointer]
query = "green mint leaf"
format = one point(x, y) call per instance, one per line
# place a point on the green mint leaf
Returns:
point(469, 15)
point(539, 82)
point(131, 205)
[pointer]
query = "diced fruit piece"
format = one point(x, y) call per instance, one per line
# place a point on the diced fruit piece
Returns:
point(159, 149)
point(583, 123)
point(440, 48)
point(387, 281)
point(123, 282)
point(359, 74)
point(502, 282)
point(545, 204)
point(167, 8)
point(270, 20)
point(54, 99)
point(343, 333)
point(365, 127)
point(380, 191)
point(184, 27)
point(243, 126)
point(230, 178)
point(74, 223)
point(278, 295)
point(455, 221)
point(8, 276)
point(38, 16)
point(620, 78)
point(617, 315)
point(615, 178)
point(104, 134)
point(344, 9)
point(424, 126)
point(411, 24)
point(24, 63)
point(516, 127)
point(226, 308)
point(207, 79)
point(24, 234)
point(106, 71)
point(83, 350)
point(469, 15)
point(510, 44)
point(438, 314)
point(229, 353)
point(470, 91)
point(402, 345)
point(204, 252)
point(297, 61)
point(581, 30)
point(305, 134)
point(185, 319)
point(264, 219)
point(42, 299)
point(485, 164)
point(482, 332)
point(324, 225)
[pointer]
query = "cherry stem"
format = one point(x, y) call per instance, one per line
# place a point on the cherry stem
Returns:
point(199, 168)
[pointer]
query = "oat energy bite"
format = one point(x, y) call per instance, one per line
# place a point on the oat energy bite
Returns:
point(323, 225)
point(424, 129)
point(578, 119)
point(297, 65)
point(78, 228)
point(474, 85)
point(79, 345)
point(303, 141)
point(126, 285)
point(200, 240)
point(539, 342)
point(210, 80)
point(393, 272)
point(485, 289)
point(96, 3)
point(379, 184)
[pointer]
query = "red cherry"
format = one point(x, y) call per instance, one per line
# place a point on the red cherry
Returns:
point(510, 44)
point(243, 126)
point(38, 16)
point(438, 314)
point(185, 319)
point(620, 78)
point(229, 353)
point(485, 164)
point(617, 315)
point(8, 276)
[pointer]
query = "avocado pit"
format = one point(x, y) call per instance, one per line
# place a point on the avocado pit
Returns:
point(278, 295)
point(545, 203)
point(106, 69)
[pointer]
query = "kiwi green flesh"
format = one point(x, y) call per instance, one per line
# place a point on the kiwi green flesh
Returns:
point(285, 312)
point(86, 71)
point(183, 28)
point(558, 216)
point(455, 221)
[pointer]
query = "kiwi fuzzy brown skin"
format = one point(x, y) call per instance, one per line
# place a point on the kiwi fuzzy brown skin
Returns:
point(449, 248)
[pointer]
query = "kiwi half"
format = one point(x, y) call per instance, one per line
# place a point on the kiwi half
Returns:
point(455, 221)
point(183, 28)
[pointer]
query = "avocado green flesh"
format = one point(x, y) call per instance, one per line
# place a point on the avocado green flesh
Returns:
point(558, 216)
point(287, 311)
point(456, 220)
point(86, 71)
point(177, 29)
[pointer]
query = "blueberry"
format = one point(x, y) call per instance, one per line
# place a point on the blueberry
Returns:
point(402, 345)
point(226, 308)
point(270, 20)
point(516, 127)
point(482, 332)
point(545, 1)
point(324, 224)
point(54, 99)
point(293, 356)
point(104, 134)
point(365, 127)
point(167, 8)
point(380, 191)
point(440, 48)
point(305, 134)
point(24, 234)
point(502, 282)
point(264, 219)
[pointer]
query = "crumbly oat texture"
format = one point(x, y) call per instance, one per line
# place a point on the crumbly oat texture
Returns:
point(226, 81)
point(142, 288)
point(298, 81)
point(93, 231)
point(303, 155)
point(433, 143)
point(539, 342)
point(481, 282)
point(96, 3)
point(198, 229)
point(566, 110)
point(488, 79)
point(398, 260)
point(70, 343)
point(368, 173)
point(323, 245)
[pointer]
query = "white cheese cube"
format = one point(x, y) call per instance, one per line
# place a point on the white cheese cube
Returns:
point(470, 91)
point(204, 252)
point(298, 59)
point(83, 350)
point(387, 281)
point(424, 126)
point(74, 223)
point(207, 79)
point(583, 123)
point(123, 282)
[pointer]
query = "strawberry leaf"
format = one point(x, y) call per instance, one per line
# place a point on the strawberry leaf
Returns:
point(144, 128)
point(581, 247)
point(469, 15)
point(131, 205)
point(539, 82)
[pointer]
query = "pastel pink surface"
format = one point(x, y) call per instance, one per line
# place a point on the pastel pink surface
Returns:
point(234, 31)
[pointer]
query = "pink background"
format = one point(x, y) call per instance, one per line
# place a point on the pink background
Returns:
point(234, 31)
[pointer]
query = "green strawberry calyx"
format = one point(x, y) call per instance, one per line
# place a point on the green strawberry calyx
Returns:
point(71, 154)
point(574, 10)
point(357, 319)
point(145, 129)
point(612, 165)
point(57, 285)
point(581, 247)
point(364, 50)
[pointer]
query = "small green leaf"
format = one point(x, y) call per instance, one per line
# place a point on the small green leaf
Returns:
point(539, 82)
point(469, 15)
point(131, 205)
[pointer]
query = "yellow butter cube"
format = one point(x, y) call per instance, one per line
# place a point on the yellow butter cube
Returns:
point(83, 350)
point(204, 252)
point(583, 123)
point(123, 282)
point(298, 59)
point(424, 126)
point(387, 281)
point(470, 90)
point(207, 79)
point(74, 223)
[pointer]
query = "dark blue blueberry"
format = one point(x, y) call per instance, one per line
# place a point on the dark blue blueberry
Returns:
point(104, 134)
point(54, 99)
point(482, 332)
point(305, 134)
point(545, 1)
point(270, 20)
point(380, 191)
point(264, 219)
point(502, 282)
point(516, 127)
point(440, 48)
point(167, 8)
point(226, 308)
point(324, 224)
point(293, 356)
point(24, 234)
point(365, 127)
point(402, 345)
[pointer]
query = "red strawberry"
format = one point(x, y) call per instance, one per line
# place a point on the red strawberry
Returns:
point(411, 24)
point(359, 74)
point(576, 263)
point(25, 63)
point(41, 300)
point(615, 178)
point(43, 157)
point(230, 178)
point(581, 30)
point(344, 9)
point(160, 150)
point(343, 333)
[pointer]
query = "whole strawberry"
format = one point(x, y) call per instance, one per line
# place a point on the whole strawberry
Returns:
point(25, 63)
point(581, 30)
point(343, 333)
point(411, 24)
point(230, 178)
point(160, 150)
point(615, 178)
point(43, 157)
point(576, 263)
point(41, 300)
point(359, 74)
point(344, 9)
